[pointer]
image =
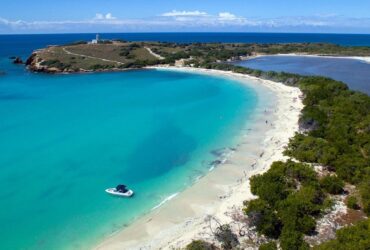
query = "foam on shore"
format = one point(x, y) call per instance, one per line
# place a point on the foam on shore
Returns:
point(165, 200)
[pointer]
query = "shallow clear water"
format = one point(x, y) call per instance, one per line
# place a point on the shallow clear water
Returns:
point(65, 138)
point(355, 73)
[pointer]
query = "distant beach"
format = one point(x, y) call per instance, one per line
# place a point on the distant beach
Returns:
point(353, 70)
point(360, 58)
point(219, 194)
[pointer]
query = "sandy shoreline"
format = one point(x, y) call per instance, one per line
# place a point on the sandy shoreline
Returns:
point(221, 192)
point(365, 59)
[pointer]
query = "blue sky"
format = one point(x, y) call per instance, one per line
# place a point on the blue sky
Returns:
point(71, 16)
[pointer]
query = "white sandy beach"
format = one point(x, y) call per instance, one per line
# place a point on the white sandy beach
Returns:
point(365, 59)
point(220, 193)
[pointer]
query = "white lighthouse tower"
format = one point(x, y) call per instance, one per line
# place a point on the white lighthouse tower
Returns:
point(96, 40)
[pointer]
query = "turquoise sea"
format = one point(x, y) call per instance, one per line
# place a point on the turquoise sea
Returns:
point(66, 138)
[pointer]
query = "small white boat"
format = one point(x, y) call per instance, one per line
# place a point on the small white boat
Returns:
point(120, 190)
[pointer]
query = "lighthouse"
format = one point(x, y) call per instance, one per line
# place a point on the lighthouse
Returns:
point(96, 40)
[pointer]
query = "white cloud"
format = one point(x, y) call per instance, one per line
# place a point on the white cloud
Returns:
point(190, 21)
point(197, 17)
point(108, 16)
point(99, 16)
point(226, 16)
point(175, 13)
point(230, 18)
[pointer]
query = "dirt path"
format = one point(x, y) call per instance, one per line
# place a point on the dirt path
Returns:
point(92, 57)
point(154, 54)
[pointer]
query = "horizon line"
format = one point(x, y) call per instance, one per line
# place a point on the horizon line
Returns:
point(179, 32)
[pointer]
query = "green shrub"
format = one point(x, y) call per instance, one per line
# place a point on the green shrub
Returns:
point(281, 180)
point(268, 246)
point(332, 184)
point(365, 195)
point(352, 202)
point(292, 240)
point(297, 211)
point(264, 218)
point(200, 245)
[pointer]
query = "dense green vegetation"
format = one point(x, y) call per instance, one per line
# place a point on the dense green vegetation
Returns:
point(311, 48)
point(332, 184)
point(290, 198)
point(340, 138)
point(212, 52)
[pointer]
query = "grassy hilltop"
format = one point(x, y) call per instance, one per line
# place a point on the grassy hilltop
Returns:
point(89, 57)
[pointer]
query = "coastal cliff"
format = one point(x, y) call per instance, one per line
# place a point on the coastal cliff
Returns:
point(36, 63)
point(33, 64)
